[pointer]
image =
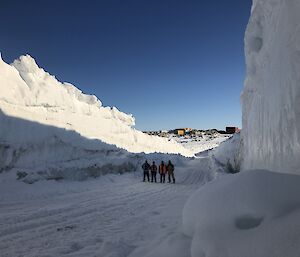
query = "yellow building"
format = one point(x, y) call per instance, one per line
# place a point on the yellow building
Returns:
point(181, 132)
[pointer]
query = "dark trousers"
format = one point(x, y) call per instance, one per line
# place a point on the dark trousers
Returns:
point(171, 174)
point(146, 174)
point(153, 176)
point(162, 178)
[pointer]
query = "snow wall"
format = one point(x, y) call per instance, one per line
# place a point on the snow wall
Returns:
point(49, 125)
point(270, 100)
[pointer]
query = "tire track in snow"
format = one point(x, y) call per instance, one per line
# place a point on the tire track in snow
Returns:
point(95, 217)
point(37, 219)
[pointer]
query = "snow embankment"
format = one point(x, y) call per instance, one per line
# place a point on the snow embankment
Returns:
point(253, 213)
point(48, 125)
point(270, 100)
point(30, 93)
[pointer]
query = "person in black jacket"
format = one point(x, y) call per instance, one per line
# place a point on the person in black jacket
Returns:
point(170, 170)
point(153, 172)
point(146, 168)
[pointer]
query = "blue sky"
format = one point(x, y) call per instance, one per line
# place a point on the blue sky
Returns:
point(171, 63)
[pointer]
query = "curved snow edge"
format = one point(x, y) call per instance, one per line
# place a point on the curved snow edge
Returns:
point(28, 92)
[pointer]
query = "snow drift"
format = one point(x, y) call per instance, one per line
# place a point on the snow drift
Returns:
point(253, 213)
point(48, 125)
point(270, 100)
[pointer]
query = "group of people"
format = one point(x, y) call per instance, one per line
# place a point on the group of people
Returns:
point(162, 169)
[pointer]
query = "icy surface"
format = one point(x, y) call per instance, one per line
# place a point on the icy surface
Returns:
point(271, 113)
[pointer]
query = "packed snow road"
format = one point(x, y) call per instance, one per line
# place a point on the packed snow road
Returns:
point(109, 216)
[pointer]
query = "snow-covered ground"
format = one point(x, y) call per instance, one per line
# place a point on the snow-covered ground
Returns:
point(72, 154)
point(254, 213)
point(114, 215)
point(200, 144)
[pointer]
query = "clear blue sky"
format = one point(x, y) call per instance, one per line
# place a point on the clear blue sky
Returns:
point(171, 63)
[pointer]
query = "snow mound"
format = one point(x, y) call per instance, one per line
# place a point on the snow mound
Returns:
point(270, 100)
point(253, 213)
point(48, 124)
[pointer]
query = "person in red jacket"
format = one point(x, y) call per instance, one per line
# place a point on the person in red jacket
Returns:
point(153, 172)
point(162, 172)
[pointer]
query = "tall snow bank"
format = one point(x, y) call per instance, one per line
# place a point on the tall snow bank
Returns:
point(253, 213)
point(270, 100)
point(29, 93)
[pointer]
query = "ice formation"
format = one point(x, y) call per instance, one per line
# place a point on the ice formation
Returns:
point(270, 100)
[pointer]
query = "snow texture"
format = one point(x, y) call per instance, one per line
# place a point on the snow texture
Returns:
point(203, 143)
point(111, 216)
point(227, 158)
point(270, 100)
point(253, 213)
point(46, 125)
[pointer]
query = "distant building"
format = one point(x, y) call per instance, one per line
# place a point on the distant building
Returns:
point(182, 131)
point(179, 132)
point(232, 130)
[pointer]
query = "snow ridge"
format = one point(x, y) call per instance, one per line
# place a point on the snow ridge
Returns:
point(40, 94)
point(35, 108)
